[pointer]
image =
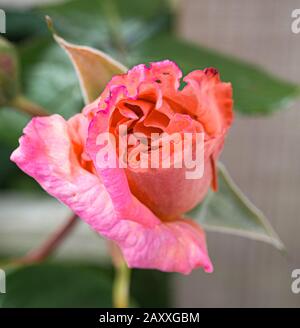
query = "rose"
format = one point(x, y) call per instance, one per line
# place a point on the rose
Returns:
point(141, 210)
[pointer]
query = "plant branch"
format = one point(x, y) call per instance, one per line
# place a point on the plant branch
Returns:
point(25, 105)
point(50, 245)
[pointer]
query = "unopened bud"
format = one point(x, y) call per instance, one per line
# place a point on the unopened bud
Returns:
point(9, 75)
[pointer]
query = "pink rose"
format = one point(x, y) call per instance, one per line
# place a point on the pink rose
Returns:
point(142, 210)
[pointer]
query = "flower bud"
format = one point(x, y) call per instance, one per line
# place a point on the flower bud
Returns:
point(9, 76)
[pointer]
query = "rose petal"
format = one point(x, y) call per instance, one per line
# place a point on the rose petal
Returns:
point(47, 153)
point(212, 100)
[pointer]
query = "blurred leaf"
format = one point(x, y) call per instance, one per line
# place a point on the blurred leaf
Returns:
point(58, 285)
point(152, 288)
point(74, 285)
point(11, 125)
point(49, 78)
point(51, 81)
point(255, 91)
point(93, 67)
point(95, 23)
point(229, 211)
point(5, 164)
point(21, 25)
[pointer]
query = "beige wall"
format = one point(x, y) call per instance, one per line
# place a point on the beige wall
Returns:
point(262, 154)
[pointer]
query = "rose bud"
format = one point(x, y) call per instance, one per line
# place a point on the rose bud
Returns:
point(142, 209)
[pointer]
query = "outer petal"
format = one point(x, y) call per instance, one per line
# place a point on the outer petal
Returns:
point(177, 246)
point(48, 152)
point(155, 80)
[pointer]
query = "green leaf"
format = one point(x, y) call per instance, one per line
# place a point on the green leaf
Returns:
point(11, 125)
point(73, 285)
point(93, 67)
point(255, 91)
point(229, 211)
point(108, 24)
point(49, 78)
point(22, 25)
point(57, 285)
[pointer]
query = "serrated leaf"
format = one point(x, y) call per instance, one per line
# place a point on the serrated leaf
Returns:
point(229, 211)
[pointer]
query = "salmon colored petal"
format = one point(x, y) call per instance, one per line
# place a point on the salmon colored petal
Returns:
point(167, 192)
point(177, 246)
point(149, 81)
point(114, 178)
point(212, 100)
point(183, 123)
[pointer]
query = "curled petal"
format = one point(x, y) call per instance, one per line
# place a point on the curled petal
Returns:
point(177, 246)
point(48, 152)
point(211, 100)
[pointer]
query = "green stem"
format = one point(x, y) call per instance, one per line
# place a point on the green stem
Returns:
point(27, 106)
point(121, 286)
